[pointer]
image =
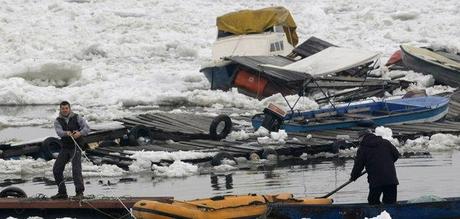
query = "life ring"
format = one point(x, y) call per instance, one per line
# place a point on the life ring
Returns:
point(13, 191)
point(136, 132)
point(214, 133)
point(221, 156)
point(269, 151)
point(48, 147)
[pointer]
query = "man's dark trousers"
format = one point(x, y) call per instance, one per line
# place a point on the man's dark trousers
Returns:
point(73, 155)
point(389, 194)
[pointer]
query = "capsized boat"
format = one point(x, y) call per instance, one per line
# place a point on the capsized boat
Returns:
point(445, 67)
point(367, 114)
point(229, 206)
point(430, 209)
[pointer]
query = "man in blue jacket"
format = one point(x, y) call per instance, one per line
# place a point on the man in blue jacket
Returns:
point(378, 156)
point(69, 125)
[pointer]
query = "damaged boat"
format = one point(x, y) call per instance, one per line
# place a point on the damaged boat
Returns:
point(264, 32)
point(444, 66)
point(363, 114)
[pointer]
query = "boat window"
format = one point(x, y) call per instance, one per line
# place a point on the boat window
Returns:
point(272, 47)
point(277, 46)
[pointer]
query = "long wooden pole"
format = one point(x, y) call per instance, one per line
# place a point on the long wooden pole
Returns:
point(340, 187)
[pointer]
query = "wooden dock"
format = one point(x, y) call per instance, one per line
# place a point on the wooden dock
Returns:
point(84, 208)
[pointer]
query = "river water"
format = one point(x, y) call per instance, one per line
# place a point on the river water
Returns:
point(436, 175)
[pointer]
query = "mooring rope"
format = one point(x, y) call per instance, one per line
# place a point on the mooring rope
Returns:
point(100, 175)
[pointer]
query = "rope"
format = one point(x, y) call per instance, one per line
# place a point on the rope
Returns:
point(100, 175)
point(98, 210)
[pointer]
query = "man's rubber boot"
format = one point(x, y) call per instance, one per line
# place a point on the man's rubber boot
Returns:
point(79, 195)
point(60, 196)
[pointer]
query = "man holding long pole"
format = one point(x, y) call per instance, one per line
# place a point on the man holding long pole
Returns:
point(378, 155)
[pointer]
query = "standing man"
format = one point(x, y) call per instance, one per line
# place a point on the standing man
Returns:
point(378, 156)
point(69, 125)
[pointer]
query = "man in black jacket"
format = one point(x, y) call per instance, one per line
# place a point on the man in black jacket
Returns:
point(378, 156)
point(69, 125)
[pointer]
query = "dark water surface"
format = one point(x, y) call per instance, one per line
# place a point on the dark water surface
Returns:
point(438, 176)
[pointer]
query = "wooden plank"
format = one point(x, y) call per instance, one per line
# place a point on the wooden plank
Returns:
point(165, 125)
point(197, 122)
point(237, 144)
point(174, 125)
point(220, 148)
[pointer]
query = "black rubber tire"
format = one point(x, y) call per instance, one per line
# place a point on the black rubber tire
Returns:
point(215, 123)
point(48, 147)
point(267, 152)
point(137, 132)
point(219, 157)
point(13, 191)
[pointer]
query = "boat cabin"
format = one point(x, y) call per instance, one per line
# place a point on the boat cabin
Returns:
point(268, 31)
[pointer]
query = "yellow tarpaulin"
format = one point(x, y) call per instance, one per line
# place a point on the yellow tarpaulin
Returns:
point(257, 21)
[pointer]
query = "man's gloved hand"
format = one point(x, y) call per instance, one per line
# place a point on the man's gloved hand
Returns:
point(76, 134)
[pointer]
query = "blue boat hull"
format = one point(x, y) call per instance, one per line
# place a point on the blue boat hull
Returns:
point(450, 208)
point(420, 114)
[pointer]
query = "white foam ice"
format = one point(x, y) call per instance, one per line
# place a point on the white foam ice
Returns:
point(225, 167)
point(278, 137)
point(383, 215)
point(420, 82)
point(144, 159)
point(386, 133)
point(45, 72)
point(436, 142)
point(119, 54)
point(262, 131)
point(176, 169)
point(237, 135)
point(28, 166)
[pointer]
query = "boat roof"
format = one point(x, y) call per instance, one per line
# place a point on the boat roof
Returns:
point(430, 56)
point(331, 60)
point(257, 63)
point(258, 21)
